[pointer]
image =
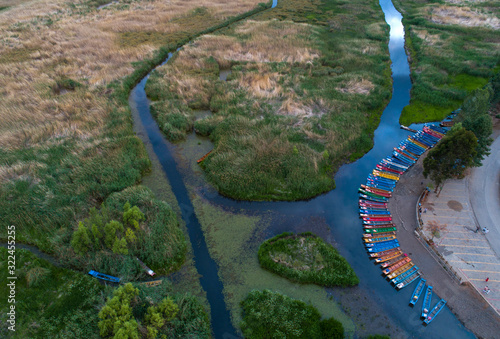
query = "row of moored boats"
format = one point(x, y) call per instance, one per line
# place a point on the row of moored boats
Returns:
point(379, 230)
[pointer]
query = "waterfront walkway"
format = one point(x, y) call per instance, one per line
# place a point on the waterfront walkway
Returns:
point(455, 220)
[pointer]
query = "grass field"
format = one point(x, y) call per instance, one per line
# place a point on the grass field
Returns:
point(454, 48)
point(305, 94)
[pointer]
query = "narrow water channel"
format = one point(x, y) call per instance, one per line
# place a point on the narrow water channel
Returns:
point(338, 207)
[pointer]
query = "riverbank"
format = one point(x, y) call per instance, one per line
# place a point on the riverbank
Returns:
point(462, 299)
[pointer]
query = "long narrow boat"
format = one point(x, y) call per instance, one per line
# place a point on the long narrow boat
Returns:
point(417, 292)
point(427, 302)
point(400, 270)
point(387, 193)
point(377, 218)
point(376, 240)
point(147, 269)
point(381, 244)
point(397, 265)
point(383, 248)
point(375, 211)
point(381, 254)
point(393, 260)
point(404, 275)
point(367, 197)
point(378, 235)
point(387, 225)
point(380, 230)
point(379, 223)
point(372, 203)
point(374, 194)
point(103, 276)
point(393, 255)
point(203, 157)
point(435, 310)
point(408, 280)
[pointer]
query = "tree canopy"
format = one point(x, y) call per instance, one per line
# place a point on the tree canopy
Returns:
point(451, 156)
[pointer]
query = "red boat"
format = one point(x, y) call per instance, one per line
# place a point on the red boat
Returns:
point(377, 218)
point(376, 190)
point(389, 169)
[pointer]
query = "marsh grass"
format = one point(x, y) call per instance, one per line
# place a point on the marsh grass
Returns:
point(306, 258)
point(299, 86)
point(453, 51)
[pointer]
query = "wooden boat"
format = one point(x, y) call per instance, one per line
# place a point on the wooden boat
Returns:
point(203, 157)
point(147, 269)
point(380, 230)
point(103, 276)
point(414, 276)
point(367, 197)
point(385, 175)
point(378, 235)
point(435, 310)
point(427, 302)
point(393, 260)
point(386, 247)
point(379, 223)
point(396, 266)
point(379, 218)
point(407, 128)
point(152, 283)
point(386, 224)
point(417, 292)
point(374, 194)
point(388, 169)
point(400, 270)
point(368, 203)
point(381, 244)
point(379, 239)
point(381, 254)
point(406, 155)
point(404, 275)
point(392, 255)
point(380, 191)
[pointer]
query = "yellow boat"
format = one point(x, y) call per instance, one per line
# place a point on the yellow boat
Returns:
point(385, 175)
point(418, 143)
point(400, 270)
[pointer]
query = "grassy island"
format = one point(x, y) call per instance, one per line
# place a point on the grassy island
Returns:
point(308, 83)
point(306, 258)
point(453, 48)
point(269, 314)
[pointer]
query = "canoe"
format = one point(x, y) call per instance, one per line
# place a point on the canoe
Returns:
point(373, 215)
point(377, 218)
point(435, 310)
point(408, 280)
point(385, 175)
point(381, 244)
point(376, 223)
point(402, 152)
point(397, 265)
point(372, 211)
point(367, 197)
point(417, 292)
point(147, 269)
point(388, 169)
point(383, 248)
point(203, 157)
point(103, 276)
point(380, 230)
point(372, 203)
point(388, 225)
point(373, 194)
point(378, 235)
point(381, 254)
point(400, 270)
point(379, 239)
point(427, 302)
point(404, 275)
point(391, 260)
point(391, 255)
point(376, 190)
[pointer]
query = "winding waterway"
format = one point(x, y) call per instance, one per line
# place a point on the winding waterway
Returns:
point(338, 207)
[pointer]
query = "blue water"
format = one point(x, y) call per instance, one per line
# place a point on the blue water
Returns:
point(338, 207)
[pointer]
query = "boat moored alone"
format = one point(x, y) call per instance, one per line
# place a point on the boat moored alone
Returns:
point(103, 276)
point(417, 292)
point(435, 310)
point(427, 302)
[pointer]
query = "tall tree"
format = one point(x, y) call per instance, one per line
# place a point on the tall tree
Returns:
point(475, 118)
point(451, 156)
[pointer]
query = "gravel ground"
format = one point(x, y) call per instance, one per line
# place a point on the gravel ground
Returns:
point(469, 307)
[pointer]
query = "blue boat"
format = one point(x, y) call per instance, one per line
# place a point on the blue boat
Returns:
point(427, 302)
point(435, 310)
point(104, 276)
point(417, 292)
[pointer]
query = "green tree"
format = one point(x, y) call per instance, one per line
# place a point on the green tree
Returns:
point(116, 316)
point(157, 316)
point(110, 232)
point(331, 329)
point(451, 156)
point(475, 118)
point(81, 240)
point(120, 246)
point(130, 236)
point(132, 215)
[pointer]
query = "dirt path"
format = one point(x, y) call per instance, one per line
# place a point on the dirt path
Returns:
point(472, 310)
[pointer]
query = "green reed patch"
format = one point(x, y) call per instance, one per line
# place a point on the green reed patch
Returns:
point(306, 258)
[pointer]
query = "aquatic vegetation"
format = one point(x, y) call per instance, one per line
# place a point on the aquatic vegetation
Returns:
point(300, 86)
point(453, 50)
point(306, 258)
point(269, 314)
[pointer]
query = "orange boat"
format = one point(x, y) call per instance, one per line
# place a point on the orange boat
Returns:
point(203, 157)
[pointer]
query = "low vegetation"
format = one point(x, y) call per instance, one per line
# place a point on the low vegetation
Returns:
point(130, 224)
point(306, 258)
point(152, 312)
point(453, 49)
point(269, 314)
point(51, 302)
point(305, 94)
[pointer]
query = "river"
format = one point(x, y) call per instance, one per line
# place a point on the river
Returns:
point(338, 207)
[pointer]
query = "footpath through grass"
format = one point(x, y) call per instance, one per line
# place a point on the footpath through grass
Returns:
point(454, 48)
point(309, 82)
